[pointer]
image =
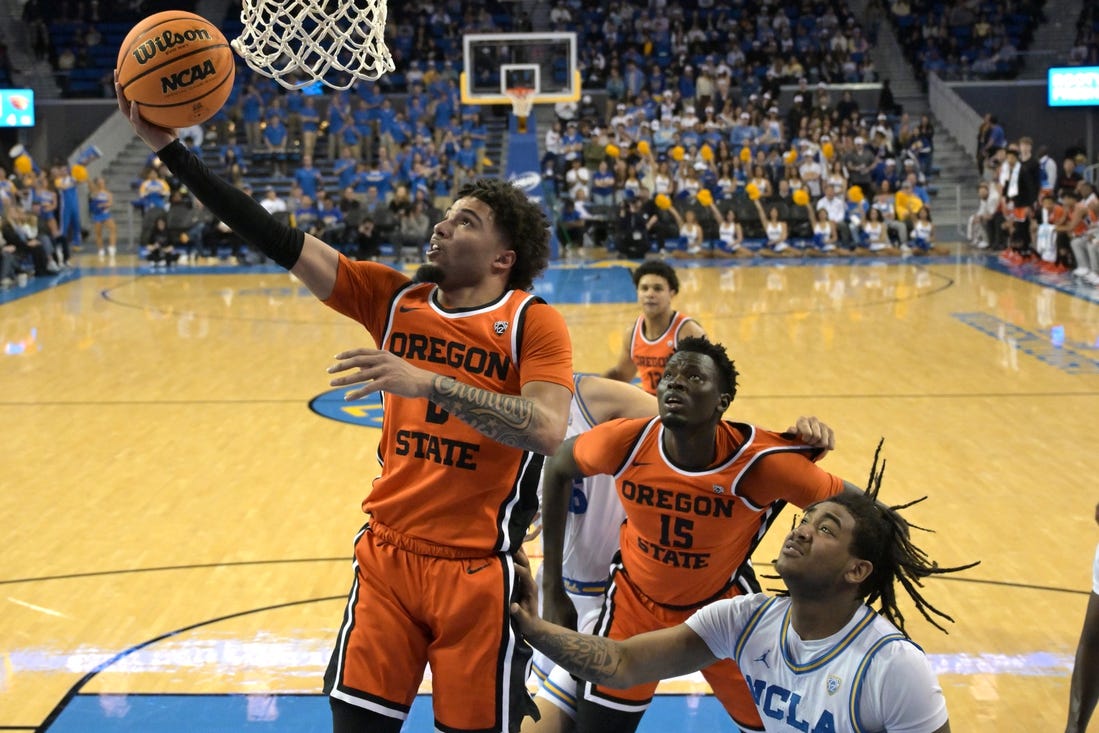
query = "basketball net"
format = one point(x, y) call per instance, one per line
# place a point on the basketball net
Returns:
point(298, 42)
point(522, 101)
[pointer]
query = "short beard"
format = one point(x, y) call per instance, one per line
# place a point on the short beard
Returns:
point(428, 274)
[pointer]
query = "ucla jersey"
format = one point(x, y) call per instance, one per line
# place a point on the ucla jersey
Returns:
point(836, 684)
point(99, 205)
point(591, 540)
point(595, 514)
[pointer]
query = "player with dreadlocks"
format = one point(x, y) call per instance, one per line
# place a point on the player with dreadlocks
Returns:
point(817, 659)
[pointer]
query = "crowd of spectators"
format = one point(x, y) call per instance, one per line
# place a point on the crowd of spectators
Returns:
point(694, 131)
point(965, 40)
point(1036, 208)
point(764, 41)
point(719, 174)
point(36, 207)
point(1085, 49)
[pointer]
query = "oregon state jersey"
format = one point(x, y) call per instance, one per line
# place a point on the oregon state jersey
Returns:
point(595, 514)
point(443, 481)
point(688, 532)
point(867, 677)
point(650, 356)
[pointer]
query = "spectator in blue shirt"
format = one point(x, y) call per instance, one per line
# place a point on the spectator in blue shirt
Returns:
point(308, 177)
point(310, 126)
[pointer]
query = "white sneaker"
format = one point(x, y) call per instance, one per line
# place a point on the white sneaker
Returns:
point(982, 244)
point(1080, 272)
point(781, 247)
point(102, 253)
point(694, 250)
point(828, 248)
point(1092, 278)
point(876, 247)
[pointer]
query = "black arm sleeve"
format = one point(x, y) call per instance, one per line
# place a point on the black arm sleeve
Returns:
point(239, 211)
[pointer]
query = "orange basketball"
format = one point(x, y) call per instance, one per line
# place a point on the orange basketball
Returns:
point(178, 67)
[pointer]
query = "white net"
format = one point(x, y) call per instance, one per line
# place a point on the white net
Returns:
point(298, 42)
point(522, 101)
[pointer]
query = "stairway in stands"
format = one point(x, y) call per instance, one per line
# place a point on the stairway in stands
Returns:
point(956, 178)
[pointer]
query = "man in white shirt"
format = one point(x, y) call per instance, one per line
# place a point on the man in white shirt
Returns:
point(979, 230)
point(806, 657)
point(272, 202)
point(809, 168)
point(833, 205)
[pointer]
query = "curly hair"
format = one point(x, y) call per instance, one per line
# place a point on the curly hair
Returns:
point(522, 224)
point(725, 367)
point(658, 268)
point(883, 537)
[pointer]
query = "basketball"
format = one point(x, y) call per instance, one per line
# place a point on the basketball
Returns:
point(178, 67)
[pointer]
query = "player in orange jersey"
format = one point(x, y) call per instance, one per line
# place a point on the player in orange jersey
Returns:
point(591, 534)
point(657, 331)
point(477, 377)
point(699, 494)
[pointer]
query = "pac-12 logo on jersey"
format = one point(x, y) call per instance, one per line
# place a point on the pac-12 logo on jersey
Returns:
point(500, 327)
point(833, 684)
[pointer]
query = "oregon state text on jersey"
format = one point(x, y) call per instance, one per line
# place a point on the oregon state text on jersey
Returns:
point(687, 532)
point(423, 450)
point(650, 356)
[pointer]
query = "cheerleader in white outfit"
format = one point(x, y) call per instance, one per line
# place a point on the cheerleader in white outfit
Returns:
point(875, 233)
point(775, 229)
point(824, 232)
point(729, 232)
point(923, 231)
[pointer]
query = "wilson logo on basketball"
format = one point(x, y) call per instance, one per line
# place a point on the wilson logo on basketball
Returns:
point(166, 41)
point(187, 77)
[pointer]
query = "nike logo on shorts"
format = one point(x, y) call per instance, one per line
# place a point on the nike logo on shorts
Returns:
point(470, 569)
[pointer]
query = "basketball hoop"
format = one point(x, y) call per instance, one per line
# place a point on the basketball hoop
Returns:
point(522, 101)
point(298, 42)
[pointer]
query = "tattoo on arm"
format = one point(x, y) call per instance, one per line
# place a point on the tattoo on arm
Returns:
point(592, 658)
point(504, 418)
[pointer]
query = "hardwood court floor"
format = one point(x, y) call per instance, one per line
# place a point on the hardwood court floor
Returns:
point(178, 522)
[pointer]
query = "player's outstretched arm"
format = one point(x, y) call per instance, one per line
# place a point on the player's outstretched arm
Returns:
point(1084, 690)
point(609, 399)
point(621, 664)
point(311, 260)
point(534, 420)
point(557, 477)
point(812, 431)
point(625, 369)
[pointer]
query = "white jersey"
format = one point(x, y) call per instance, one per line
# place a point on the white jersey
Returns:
point(865, 677)
point(595, 514)
point(591, 540)
point(1095, 573)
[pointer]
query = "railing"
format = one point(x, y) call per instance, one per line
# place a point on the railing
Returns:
point(952, 112)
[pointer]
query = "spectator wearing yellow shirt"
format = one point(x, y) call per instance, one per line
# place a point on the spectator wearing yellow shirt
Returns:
point(907, 204)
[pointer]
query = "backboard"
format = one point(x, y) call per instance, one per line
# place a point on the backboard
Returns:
point(496, 62)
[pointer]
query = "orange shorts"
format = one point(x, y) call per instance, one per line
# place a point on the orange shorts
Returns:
point(406, 610)
point(629, 612)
